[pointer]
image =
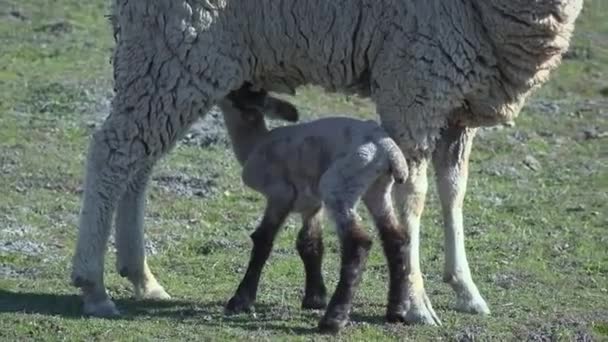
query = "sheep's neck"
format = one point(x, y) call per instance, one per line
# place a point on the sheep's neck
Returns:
point(244, 136)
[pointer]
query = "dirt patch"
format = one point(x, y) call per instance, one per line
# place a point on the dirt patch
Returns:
point(63, 185)
point(208, 131)
point(9, 271)
point(502, 168)
point(578, 52)
point(13, 14)
point(24, 247)
point(150, 246)
point(24, 240)
point(509, 280)
point(14, 240)
point(184, 185)
point(468, 334)
point(57, 28)
point(579, 326)
point(8, 163)
point(219, 245)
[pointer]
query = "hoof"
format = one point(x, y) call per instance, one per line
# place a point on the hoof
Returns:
point(331, 325)
point(237, 305)
point(421, 311)
point(104, 309)
point(80, 282)
point(476, 306)
point(314, 302)
point(396, 316)
point(157, 293)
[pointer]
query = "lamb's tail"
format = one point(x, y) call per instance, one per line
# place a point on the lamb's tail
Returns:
point(397, 162)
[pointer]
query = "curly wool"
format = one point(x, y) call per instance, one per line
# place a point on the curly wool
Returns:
point(420, 61)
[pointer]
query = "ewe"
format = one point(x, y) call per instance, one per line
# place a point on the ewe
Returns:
point(427, 65)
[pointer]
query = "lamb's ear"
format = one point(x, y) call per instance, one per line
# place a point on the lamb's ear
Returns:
point(281, 109)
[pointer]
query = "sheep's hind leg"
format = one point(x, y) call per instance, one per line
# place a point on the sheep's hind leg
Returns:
point(131, 259)
point(342, 186)
point(395, 242)
point(310, 247)
point(263, 238)
point(451, 158)
point(409, 198)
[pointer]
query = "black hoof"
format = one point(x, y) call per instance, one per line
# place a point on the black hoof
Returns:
point(331, 326)
point(395, 317)
point(237, 305)
point(314, 302)
point(81, 282)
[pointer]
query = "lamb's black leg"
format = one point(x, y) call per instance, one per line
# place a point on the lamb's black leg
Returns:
point(355, 248)
point(395, 242)
point(310, 248)
point(263, 239)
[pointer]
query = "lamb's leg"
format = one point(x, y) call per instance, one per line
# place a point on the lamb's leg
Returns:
point(263, 239)
point(395, 242)
point(451, 158)
point(131, 258)
point(310, 248)
point(409, 198)
point(341, 188)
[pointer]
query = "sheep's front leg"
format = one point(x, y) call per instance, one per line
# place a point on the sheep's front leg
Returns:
point(130, 245)
point(310, 248)
point(263, 239)
point(410, 198)
point(451, 159)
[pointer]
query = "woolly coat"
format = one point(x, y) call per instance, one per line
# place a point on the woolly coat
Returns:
point(423, 63)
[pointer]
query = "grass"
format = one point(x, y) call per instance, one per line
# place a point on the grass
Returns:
point(536, 238)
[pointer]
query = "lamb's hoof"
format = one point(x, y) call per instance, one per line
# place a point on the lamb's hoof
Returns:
point(103, 309)
point(315, 302)
point(420, 311)
point(237, 305)
point(396, 316)
point(476, 305)
point(331, 325)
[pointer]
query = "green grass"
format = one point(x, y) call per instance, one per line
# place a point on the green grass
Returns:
point(537, 240)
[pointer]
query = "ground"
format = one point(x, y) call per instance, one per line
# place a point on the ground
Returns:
point(536, 210)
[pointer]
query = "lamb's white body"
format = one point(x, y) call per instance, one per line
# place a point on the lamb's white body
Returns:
point(314, 157)
point(426, 64)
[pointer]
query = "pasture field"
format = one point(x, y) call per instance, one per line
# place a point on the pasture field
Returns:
point(536, 213)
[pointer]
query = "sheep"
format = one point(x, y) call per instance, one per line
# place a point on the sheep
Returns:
point(428, 66)
point(331, 163)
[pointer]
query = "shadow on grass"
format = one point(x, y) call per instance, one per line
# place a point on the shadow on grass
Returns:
point(71, 305)
point(184, 312)
point(269, 316)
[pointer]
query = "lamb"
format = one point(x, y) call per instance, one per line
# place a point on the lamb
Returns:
point(331, 163)
point(435, 70)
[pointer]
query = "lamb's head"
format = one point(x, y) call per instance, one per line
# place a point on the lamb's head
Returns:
point(253, 105)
